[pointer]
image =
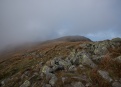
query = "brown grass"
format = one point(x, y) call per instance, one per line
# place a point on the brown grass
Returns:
point(113, 67)
point(97, 80)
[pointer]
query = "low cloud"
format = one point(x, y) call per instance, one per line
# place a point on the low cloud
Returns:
point(36, 20)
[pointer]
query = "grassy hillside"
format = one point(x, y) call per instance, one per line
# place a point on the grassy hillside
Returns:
point(63, 64)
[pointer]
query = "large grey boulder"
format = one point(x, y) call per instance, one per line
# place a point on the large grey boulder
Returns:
point(87, 61)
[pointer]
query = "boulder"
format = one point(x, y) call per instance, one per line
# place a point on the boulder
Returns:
point(87, 61)
point(65, 64)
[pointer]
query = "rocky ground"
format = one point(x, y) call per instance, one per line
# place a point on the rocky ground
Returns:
point(64, 64)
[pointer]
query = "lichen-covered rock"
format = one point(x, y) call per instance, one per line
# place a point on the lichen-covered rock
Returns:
point(46, 69)
point(87, 61)
point(105, 75)
point(65, 64)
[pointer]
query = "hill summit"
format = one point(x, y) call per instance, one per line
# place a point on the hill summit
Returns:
point(68, 39)
point(73, 38)
point(71, 61)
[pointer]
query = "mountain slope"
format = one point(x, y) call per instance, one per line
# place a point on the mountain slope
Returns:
point(64, 64)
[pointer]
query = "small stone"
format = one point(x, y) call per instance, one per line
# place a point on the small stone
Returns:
point(88, 84)
point(3, 83)
point(57, 67)
point(68, 85)
point(26, 84)
point(52, 62)
point(75, 60)
point(77, 84)
point(47, 85)
point(105, 75)
point(36, 73)
point(81, 66)
point(53, 80)
point(34, 53)
point(118, 59)
point(116, 84)
point(40, 64)
point(64, 79)
point(72, 68)
point(49, 76)
point(46, 69)
point(120, 80)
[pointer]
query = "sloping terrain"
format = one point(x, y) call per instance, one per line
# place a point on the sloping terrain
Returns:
point(64, 64)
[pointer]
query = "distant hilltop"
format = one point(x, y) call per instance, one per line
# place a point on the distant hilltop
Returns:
point(68, 39)
point(73, 38)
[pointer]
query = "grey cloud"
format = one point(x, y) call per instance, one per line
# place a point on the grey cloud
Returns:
point(35, 20)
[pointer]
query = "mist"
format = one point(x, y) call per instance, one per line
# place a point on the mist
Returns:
point(24, 21)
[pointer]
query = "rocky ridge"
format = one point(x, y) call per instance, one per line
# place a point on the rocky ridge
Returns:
point(68, 64)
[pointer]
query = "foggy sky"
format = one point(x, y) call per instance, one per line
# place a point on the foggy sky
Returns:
point(36, 20)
